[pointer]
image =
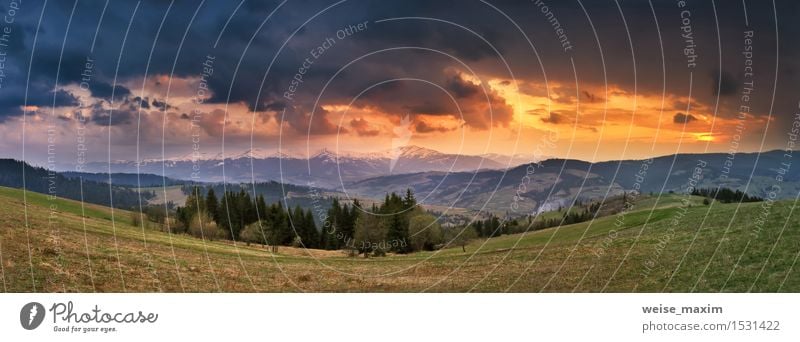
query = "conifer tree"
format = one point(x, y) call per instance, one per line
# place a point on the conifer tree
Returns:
point(409, 201)
point(478, 225)
point(212, 204)
point(312, 235)
point(297, 222)
point(334, 227)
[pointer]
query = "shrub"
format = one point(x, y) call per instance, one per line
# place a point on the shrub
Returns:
point(297, 242)
point(201, 225)
point(425, 233)
point(460, 237)
point(252, 233)
point(136, 219)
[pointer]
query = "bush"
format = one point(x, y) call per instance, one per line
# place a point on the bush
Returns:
point(297, 242)
point(378, 252)
point(252, 233)
point(425, 233)
point(370, 232)
point(136, 219)
point(155, 213)
point(455, 236)
point(201, 225)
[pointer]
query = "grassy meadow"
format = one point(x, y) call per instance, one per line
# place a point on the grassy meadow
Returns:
point(58, 245)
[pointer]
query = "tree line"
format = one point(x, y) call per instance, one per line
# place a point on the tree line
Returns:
point(49, 182)
point(726, 195)
point(493, 226)
point(240, 217)
point(272, 191)
point(397, 224)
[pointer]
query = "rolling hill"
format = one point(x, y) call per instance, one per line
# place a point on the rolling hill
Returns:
point(558, 181)
point(125, 179)
point(661, 245)
point(18, 174)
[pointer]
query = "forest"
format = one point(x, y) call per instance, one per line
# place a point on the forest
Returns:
point(53, 183)
point(395, 225)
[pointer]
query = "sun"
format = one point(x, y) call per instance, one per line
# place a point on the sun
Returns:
point(704, 136)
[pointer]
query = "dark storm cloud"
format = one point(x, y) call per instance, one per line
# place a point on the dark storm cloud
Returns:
point(424, 127)
point(102, 90)
point(681, 118)
point(680, 105)
point(724, 83)
point(306, 122)
point(592, 98)
point(275, 106)
point(102, 116)
point(142, 102)
point(439, 35)
point(555, 118)
point(363, 128)
point(13, 98)
point(61, 99)
point(447, 94)
point(121, 114)
point(461, 88)
point(655, 64)
point(428, 107)
point(163, 105)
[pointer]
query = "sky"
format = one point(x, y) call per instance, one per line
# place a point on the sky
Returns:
point(88, 80)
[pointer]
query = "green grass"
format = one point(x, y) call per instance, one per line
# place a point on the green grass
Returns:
point(646, 251)
point(64, 205)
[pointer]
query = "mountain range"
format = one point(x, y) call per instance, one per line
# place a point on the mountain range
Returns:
point(326, 169)
point(556, 182)
point(481, 182)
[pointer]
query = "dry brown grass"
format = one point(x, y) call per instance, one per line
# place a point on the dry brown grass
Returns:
point(60, 257)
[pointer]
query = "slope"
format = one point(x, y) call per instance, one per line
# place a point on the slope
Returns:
point(59, 249)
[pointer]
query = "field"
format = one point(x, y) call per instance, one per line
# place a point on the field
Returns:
point(163, 195)
point(63, 246)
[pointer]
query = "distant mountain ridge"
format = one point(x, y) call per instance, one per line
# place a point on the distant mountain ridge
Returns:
point(143, 180)
point(557, 182)
point(326, 168)
point(18, 174)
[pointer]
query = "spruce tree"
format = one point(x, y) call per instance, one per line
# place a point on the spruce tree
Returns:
point(409, 201)
point(478, 225)
point(335, 226)
point(394, 233)
point(212, 204)
point(261, 207)
point(297, 223)
point(312, 236)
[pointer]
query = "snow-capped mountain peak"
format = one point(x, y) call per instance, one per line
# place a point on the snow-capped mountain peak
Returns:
point(327, 167)
point(413, 151)
point(255, 153)
point(325, 153)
